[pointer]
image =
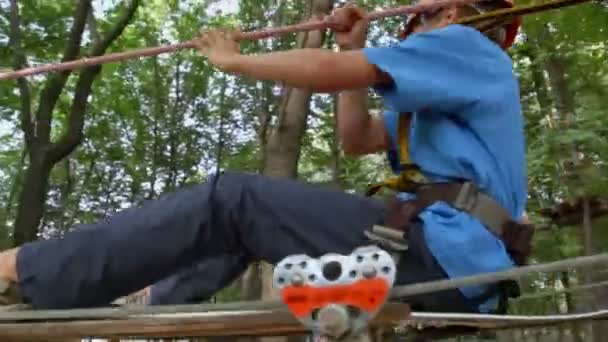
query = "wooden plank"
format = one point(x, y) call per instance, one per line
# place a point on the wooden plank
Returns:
point(127, 311)
point(208, 324)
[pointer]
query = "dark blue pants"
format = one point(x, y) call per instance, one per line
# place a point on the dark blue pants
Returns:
point(199, 282)
point(201, 238)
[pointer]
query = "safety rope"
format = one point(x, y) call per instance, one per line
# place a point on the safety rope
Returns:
point(493, 322)
point(489, 278)
point(313, 25)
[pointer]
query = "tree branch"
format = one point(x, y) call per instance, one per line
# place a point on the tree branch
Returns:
point(103, 44)
point(74, 133)
point(20, 62)
point(92, 24)
point(72, 48)
point(55, 83)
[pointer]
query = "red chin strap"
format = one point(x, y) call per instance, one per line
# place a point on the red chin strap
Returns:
point(512, 30)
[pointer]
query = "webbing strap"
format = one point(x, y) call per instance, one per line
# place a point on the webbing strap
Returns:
point(462, 196)
point(390, 239)
point(467, 197)
point(407, 181)
point(410, 175)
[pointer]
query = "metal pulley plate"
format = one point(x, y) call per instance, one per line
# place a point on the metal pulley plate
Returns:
point(347, 290)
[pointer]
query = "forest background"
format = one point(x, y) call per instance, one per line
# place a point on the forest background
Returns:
point(77, 147)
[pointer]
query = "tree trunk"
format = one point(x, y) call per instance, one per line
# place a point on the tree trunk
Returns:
point(587, 230)
point(64, 197)
point(283, 146)
point(177, 118)
point(158, 113)
point(44, 153)
point(336, 166)
point(31, 200)
point(284, 141)
point(6, 214)
point(540, 83)
point(221, 126)
point(557, 70)
point(599, 296)
point(565, 105)
point(78, 196)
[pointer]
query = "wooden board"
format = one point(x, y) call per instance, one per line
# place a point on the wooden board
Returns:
point(259, 319)
point(272, 322)
point(126, 311)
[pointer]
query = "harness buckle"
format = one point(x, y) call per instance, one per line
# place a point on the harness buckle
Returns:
point(389, 239)
point(467, 197)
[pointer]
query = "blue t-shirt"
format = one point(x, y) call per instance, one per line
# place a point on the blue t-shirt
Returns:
point(466, 123)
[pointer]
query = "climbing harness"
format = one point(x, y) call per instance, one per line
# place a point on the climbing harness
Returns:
point(462, 195)
point(335, 296)
point(410, 175)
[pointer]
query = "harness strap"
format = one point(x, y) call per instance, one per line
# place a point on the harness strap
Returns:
point(389, 240)
point(410, 174)
point(468, 198)
point(406, 181)
point(462, 196)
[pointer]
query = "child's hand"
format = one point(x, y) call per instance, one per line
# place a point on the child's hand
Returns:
point(219, 46)
point(354, 32)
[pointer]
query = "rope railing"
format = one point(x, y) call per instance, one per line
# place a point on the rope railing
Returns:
point(558, 292)
point(496, 322)
point(489, 278)
point(313, 25)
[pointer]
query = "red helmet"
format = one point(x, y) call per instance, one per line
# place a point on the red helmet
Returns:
point(511, 29)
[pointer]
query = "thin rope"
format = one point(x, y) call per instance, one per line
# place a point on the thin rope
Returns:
point(575, 289)
point(494, 322)
point(313, 25)
point(488, 278)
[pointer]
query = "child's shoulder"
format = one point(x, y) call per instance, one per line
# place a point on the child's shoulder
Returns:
point(458, 36)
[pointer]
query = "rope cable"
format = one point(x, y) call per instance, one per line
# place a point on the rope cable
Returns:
point(488, 278)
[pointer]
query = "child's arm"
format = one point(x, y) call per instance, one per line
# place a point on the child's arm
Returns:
point(316, 69)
